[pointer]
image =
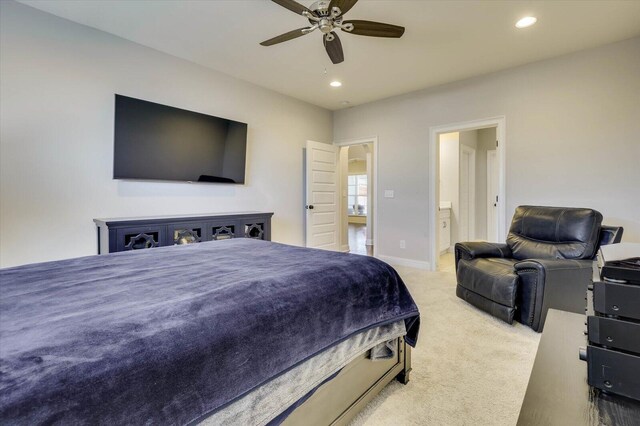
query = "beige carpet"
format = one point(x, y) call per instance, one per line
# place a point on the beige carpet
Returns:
point(468, 369)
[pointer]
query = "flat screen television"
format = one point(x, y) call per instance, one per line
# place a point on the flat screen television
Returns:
point(159, 142)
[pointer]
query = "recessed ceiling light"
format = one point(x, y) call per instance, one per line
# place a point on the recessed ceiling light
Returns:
point(335, 83)
point(527, 21)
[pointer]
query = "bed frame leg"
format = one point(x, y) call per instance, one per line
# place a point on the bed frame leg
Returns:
point(405, 356)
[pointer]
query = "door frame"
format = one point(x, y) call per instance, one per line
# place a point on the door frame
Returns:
point(471, 211)
point(490, 197)
point(499, 123)
point(374, 194)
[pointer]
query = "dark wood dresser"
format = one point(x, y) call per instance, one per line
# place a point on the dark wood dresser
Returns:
point(134, 233)
point(558, 393)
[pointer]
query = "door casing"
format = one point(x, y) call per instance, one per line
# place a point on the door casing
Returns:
point(492, 193)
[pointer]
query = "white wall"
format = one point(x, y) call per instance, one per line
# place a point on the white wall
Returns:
point(469, 138)
point(572, 139)
point(56, 150)
point(450, 177)
point(357, 167)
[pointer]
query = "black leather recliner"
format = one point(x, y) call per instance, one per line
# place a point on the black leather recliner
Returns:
point(546, 263)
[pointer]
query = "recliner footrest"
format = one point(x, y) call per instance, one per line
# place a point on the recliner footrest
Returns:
point(502, 312)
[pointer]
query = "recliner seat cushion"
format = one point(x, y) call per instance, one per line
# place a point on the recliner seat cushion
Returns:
point(554, 233)
point(492, 278)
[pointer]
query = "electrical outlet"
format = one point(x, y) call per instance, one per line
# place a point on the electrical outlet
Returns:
point(388, 193)
point(403, 244)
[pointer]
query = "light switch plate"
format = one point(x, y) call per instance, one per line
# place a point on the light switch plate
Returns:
point(388, 193)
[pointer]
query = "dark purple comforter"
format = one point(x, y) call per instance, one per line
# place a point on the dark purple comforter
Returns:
point(169, 335)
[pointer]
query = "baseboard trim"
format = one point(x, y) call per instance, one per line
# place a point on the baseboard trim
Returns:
point(401, 261)
point(345, 248)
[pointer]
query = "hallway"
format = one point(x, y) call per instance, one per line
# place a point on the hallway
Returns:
point(447, 263)
point(358, 239)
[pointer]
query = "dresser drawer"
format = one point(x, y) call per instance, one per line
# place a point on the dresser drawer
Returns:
point(140, 238)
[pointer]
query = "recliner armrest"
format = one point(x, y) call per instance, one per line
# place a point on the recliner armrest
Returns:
point(554, 264)
point(551, 284)
point(474, 249)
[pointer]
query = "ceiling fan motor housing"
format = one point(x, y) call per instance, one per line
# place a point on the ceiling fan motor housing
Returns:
point(321, 8)
point(328, 18)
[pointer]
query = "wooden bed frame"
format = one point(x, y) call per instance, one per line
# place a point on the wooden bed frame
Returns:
point(339, 400)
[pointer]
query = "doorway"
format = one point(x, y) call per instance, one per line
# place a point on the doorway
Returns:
point(358, 164)
point(358, 198)
point(467, 186)
point(467, 193)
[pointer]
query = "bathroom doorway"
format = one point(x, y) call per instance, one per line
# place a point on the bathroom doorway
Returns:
point(467, 195)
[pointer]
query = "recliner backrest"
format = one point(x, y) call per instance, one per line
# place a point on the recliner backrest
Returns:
point(554, 233)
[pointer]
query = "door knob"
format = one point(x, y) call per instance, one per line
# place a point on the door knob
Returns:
point(309, 207)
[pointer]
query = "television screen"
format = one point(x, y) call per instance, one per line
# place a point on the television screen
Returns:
point(153, 141)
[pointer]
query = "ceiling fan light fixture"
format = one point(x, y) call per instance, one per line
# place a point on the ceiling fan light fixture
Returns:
point(335, 83)
point(527, 21)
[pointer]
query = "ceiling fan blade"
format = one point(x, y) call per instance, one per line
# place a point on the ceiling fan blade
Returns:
point(334, 48)
point(292, 5)
point(283, 37)
point(344, 5)
point(375, 29)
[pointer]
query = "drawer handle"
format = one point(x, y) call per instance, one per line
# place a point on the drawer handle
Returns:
point(444, 224)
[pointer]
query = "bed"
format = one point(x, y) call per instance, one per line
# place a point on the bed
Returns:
point(188, 334)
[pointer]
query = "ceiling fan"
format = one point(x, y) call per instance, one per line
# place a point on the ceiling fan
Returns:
point(326, 16)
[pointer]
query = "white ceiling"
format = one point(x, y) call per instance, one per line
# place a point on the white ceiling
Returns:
point(444, 40)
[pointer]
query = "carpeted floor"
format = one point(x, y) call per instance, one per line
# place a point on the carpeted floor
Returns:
point(468, 369)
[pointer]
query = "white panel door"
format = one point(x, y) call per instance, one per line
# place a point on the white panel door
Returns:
point(467, 195)
point(322, 196)
point(492, 195)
